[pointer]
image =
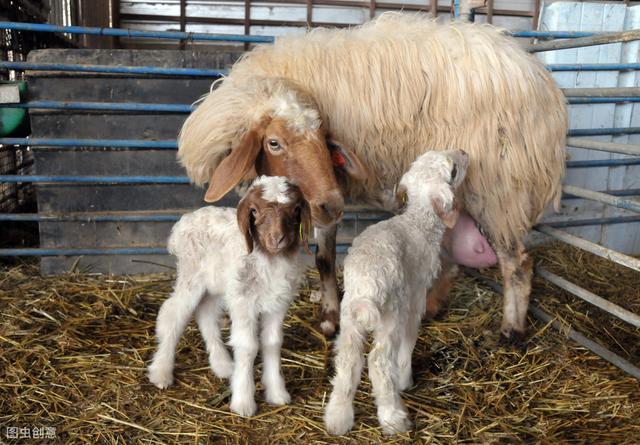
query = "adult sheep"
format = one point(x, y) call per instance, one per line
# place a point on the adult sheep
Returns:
point(390, 90)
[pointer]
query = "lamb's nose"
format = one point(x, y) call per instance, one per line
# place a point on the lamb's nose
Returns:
point(281, 241)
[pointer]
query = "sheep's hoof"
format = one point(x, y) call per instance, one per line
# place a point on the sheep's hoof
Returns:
point(243, 407)
point(394, 421)
point(338, 420)
point(329, 322)
point(162, 377)
point(514, 337)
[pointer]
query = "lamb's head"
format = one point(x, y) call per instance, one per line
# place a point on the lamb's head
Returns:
point(274, 217)
point(266, 126)
point(432, 180)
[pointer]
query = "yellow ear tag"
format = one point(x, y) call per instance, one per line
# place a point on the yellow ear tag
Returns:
point(300, 229)
point(404, 198)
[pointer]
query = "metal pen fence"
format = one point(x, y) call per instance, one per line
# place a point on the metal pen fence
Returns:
point(560, 40)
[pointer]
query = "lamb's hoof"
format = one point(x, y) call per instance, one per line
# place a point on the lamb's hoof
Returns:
point(278, 397)
point(338, 420)
point(329, 322)
point(394, 421)
point(243, 407)
point(222, 367)
point(162, 377)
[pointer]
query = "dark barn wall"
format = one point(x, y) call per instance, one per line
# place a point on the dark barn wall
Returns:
point(63, 198)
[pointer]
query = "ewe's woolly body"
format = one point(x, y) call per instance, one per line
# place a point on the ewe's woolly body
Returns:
point(396, 87)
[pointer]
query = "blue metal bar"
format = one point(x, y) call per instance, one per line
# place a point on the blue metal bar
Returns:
point(594, 67)
point(194, 72)
point(606, 198)
point(97, 179)
point(184, 108)
point(120, 32)
point(624, 192)
point(76, 251)
point(148, 70)
point(101, 106)
point(603, 163)
point(164, 217)
point(110, 143)
point(595, 221)
point(603, 131)
point(601, 100)
point(340, 248)
point(174, 35)
point(553, 34)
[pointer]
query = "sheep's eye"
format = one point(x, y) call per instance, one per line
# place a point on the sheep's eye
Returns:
point(253, 211)
point(454, 172)
point(274, 144)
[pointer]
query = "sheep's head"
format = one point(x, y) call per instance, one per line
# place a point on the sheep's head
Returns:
point(433, 179)
point(274, 217)
point(268, 127)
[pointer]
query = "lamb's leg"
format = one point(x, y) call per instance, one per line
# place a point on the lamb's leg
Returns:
point(517, 270)
point(383, 373)
point(173, 317)
point(244, 340)
point(208, 318)
point(271, 340)
point(326, 264)
point(437, 295)
point(405, 352)
point(338, 414)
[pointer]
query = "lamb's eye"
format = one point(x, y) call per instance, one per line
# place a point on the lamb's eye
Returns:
point(454, 172)
point(253, 211)
point(274, 145)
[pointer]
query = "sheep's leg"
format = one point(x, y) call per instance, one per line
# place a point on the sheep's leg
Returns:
point(244, 340)
point(517, 270)
point(438, 293)
point(173, 317)
point(383, 369)
point(405, 352)
point(326, 264)
point(208, 318)
point(338, 414)
point(271, 340)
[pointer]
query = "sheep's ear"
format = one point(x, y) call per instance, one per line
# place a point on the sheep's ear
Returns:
point(345, 159)
point(446, 211)
point(305, 225)
point(237, 164)
point(245, 221)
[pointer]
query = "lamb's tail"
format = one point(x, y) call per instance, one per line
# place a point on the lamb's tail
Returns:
point(365, 313)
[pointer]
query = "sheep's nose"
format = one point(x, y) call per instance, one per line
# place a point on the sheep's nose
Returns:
point(281, 242)
point(329, 210)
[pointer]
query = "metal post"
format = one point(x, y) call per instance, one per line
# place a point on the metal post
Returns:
point(615, 201)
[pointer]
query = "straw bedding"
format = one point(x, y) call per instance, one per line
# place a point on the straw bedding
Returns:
point(73, 351)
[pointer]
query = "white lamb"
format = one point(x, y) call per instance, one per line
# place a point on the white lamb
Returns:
point(246, 262)
point(386, 275)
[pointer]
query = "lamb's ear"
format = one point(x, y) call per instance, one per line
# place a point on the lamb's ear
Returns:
point(401, 197)
point(446, 210)
point(246, 220)
point(237, 164)
point(345, 159)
